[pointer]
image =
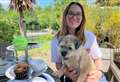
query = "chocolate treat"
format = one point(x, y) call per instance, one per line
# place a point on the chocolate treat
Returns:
point(21, 71)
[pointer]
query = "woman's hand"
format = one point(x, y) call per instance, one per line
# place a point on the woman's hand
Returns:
point(72, 74)
point(93, 76)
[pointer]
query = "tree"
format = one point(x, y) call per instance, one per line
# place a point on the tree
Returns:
point(108, 2)
point(20, 6)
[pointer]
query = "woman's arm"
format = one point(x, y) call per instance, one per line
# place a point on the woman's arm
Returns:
point(95, 76)
point(99, 64)
point(96, 54)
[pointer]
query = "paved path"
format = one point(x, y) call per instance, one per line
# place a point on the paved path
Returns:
point(31, 34)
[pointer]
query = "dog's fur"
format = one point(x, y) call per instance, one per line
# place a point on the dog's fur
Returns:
point(74, 55)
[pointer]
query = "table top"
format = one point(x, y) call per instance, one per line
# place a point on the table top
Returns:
point(49, 71)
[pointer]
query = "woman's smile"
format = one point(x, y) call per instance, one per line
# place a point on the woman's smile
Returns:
point(74, 16)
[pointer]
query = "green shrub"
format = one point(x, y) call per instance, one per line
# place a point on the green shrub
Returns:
point(6, 32)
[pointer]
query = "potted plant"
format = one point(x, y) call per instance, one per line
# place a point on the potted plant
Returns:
point(20, 43)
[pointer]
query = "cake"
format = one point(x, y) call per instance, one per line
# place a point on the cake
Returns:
point(21, 71)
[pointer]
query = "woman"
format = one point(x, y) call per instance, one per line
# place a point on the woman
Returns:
point(73, 23)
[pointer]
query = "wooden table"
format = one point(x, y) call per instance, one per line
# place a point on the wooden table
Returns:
point(50, 71)
point(3, 79)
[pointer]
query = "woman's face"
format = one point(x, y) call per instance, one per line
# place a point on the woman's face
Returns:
point(74, 16)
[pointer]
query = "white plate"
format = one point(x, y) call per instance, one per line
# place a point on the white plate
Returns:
point(4, 66)
point(10, 72)
point(47, 78)
point(37, 67)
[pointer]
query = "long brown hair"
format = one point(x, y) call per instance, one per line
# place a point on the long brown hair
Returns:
point(79, 32)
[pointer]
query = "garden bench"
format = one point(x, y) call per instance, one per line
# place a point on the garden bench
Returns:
point(111, 71)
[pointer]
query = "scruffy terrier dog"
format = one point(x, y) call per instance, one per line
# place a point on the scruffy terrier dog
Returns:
point(74, 55)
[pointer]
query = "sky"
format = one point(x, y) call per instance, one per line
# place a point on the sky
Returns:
point(91, 1)
point(5, 3)
point(42, 3)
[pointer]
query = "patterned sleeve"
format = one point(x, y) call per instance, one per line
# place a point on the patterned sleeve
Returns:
point(55, 57)
point(92, 45)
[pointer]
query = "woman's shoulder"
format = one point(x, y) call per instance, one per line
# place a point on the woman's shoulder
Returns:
point(54, 41)
point(89, 35)
point(90, 39)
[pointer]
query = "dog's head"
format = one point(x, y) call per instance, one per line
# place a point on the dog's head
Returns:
point(68, 44)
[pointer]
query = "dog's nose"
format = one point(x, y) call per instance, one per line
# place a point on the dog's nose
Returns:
point(63, 53)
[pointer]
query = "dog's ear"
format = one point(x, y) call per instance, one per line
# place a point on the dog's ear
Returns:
point(77, 44)
point(60, 39)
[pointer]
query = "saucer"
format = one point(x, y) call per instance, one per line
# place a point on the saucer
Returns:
point(38, 66)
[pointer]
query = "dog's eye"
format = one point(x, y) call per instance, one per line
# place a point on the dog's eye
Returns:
point(70, 48)
point(62, 46)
